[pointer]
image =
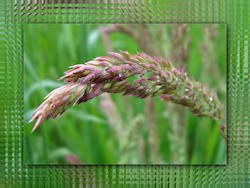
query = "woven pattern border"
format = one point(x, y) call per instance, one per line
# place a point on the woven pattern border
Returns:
point(14, 13)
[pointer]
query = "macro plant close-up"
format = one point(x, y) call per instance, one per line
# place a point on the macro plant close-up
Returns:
point(134, 94)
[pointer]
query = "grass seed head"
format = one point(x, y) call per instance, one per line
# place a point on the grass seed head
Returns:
point(157, 77)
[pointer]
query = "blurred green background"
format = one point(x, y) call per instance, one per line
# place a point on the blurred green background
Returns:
point(116, 129)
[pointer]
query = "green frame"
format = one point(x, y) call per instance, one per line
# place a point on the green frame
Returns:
point(15, 13)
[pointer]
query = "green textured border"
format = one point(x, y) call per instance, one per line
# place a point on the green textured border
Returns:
point(13, 14)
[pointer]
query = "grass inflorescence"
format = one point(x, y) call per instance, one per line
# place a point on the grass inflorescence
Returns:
point(151, 77)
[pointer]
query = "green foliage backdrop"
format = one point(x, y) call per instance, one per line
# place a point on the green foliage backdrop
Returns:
point(136, 131)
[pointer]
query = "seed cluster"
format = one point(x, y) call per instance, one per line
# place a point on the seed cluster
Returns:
point(150, 77)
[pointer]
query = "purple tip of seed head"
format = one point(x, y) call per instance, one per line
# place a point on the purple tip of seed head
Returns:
point(180, 70)
point(68, 80)
point(162, 60)
point(181, 98)
point(137, 81)
point(54, 115)
point(95, 94)
point(167, 61)
point(138, 57)
point(144, 65)
point(145, 87)
point(152, 66)
point(194, 99)
point(117, 56)
point(147, 56)
point(164, 76)
point(140, 54)
point(127, 67)
point(175, 71)
point(126, 92)
point(142, 81)
point(222, 126)
point(156, 83)
point(160, 73)
point(166, 97)
point(96, 73)
point(167, 72)
point(152, 78)
point(137, 71)
point(123, 84)
point(133, 59)
point(86, 68)
point(131, 87)
point(205, 95)
point(143, 72)
point(155, 62)
point(140, 93)
point(144, 96)
point(114, 69)
point(86, 79)
point(38, 123)
point(124, 53)
point(76, 66)
point(129, 62)
point(63, 77)
point(137, 92)
point(156, 59)
point(68, 71)
point(117, 78)
point(139, 88)
point(176, 84)
point(191, 93)
point(102, 63)
point(171, 98)
point(134, 66)
point(195, 111)
point(74, 72)
point(102, 58)
point(154, 73)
